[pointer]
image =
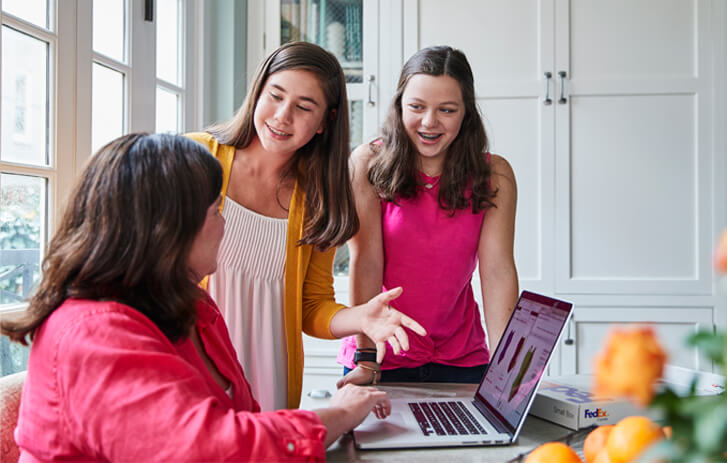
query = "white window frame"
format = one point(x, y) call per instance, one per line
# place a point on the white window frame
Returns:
point(70, 58)
point(55, 173)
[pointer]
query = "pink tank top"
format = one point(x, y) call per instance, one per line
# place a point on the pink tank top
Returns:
point(432, 255)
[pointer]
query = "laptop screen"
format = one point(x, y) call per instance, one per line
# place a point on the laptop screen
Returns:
point(521, 356)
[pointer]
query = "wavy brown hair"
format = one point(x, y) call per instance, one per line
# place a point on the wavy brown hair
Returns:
point(321, 166)
point(127, 232)
point(394, 170)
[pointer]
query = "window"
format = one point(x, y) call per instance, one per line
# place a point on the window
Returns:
point(110, 71)
point(169, 64)
point(28, 163)
point(74, 75)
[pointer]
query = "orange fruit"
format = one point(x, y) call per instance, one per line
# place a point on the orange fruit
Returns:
point(595, 442)
point(553, 452)
point(630, 437)
point(602, 457)
point(720, 254)
point(629, 366)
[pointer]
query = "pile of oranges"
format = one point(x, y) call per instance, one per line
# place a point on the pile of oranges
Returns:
point(623, 442)
point(630, 365)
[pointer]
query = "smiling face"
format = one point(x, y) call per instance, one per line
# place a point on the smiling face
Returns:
point(432, 110)
point(289, 111)
point(203, 254)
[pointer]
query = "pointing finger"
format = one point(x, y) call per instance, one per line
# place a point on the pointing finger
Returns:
point(390, 295)
point(402, 337)
point(394, 343)
point(413, 325)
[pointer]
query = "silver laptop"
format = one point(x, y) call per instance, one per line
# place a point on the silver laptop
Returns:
point(495, 415)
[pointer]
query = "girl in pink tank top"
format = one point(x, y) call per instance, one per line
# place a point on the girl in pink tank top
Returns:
point(431, 206)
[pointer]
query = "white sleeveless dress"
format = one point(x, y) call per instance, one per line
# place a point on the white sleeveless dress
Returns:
point(248, 288)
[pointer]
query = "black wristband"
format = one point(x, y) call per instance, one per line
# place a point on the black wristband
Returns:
point(363, 356)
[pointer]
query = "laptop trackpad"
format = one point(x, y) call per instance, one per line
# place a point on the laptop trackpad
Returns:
point(373, 429)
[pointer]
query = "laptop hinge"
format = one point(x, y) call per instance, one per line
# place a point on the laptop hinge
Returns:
point(489, 416)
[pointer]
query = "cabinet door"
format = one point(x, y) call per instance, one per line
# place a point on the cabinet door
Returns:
point(509, 46)
point(590, 326)
point(633, 138)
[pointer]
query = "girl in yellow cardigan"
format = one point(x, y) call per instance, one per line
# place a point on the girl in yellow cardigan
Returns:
point(288, 203)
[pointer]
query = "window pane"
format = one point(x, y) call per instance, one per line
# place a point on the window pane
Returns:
point(168, 35)
point(109, 19)
point(336, 25)
point(13, 357)
point(23, 213)
point(24, 98)
point(167, 111)
point(107, 108)
point(340, 261)
point(355, 121)
point(33, 11)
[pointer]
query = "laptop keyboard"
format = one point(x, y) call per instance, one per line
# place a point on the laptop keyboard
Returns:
point(445, 418)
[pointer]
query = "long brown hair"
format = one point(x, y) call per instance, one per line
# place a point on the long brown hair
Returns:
point(394, 170)
point(321, 166)
point(127, 232)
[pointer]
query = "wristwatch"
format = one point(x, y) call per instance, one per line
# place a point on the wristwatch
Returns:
point(364, 357)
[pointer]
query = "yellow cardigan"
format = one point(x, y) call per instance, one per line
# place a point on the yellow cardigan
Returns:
point(308, 300)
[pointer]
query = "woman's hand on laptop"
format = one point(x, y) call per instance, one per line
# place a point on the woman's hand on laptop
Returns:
point(349, 406)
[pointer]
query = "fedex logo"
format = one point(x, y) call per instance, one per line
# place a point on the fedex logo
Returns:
point(597, 413)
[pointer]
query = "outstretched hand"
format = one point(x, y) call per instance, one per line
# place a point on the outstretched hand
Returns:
point(383, 324)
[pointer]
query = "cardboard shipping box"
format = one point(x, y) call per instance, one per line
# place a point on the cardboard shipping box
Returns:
point(567, 400)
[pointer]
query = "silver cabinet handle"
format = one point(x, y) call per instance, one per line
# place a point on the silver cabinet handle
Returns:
point(568, 341)
point(562, 99)
point(547, 101)
point(371, 78)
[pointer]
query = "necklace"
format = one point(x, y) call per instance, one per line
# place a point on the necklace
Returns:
point(429, 182)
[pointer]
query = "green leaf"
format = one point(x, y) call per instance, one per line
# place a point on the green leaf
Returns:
point(665, 400)
point(711, 344)
point(710, 427)
point(699, 405)
point(661, 451)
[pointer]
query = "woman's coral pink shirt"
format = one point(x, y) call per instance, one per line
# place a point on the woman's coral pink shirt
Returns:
point(105, 384)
